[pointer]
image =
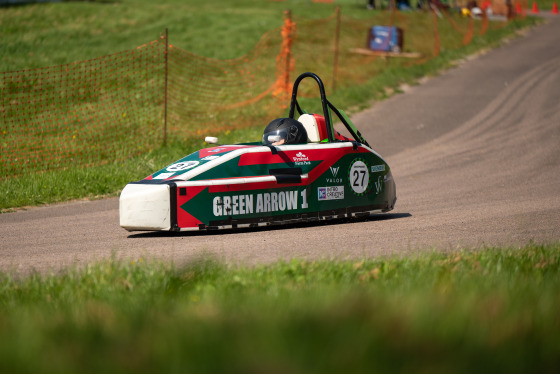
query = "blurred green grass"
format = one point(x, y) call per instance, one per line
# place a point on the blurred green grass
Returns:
point(488, 310)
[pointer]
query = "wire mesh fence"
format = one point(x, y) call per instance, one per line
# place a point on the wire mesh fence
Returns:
point(113, 107)
point(221, 94)
point(82, 113)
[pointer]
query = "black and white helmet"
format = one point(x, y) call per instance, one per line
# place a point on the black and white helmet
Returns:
point(284, 131)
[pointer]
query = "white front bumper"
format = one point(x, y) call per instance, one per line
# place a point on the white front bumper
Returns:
point(144, 207)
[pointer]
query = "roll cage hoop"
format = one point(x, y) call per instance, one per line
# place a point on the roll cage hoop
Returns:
point(327, 106)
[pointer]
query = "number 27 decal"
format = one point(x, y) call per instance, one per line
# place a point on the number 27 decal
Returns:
point(359, 176)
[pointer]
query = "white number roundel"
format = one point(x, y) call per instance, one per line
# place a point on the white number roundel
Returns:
point(182, 165)
point(359, 176)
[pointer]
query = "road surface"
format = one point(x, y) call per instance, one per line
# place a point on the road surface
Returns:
point(475, 154)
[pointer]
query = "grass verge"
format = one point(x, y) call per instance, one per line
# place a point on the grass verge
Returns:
point(105, 180)
point(493, 310)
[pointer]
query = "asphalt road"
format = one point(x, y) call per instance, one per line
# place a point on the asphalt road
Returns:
point(475, 154)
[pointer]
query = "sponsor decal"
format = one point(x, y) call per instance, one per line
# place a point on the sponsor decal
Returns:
point(377, 168)
point(179, 166)
point(358, 176)
point(266, 202)
point(379, 185)
point(299, 157)
point(163, 175)
point(334, 172)
point(208, 158)
point(330, 193)
point(216, 150)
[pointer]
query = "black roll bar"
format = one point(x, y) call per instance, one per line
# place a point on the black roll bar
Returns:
point(324, 101)
point(326, 105)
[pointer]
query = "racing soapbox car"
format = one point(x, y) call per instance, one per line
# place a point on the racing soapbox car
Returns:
point(325, 176)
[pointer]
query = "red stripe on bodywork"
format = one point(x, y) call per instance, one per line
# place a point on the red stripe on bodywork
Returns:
point(261, 158)
point(185, 219)
point(334, 155)
point(284, 156)
point(218, 150)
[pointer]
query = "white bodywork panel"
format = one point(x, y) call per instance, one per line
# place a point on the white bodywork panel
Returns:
point(145, 207)
point(310, 124)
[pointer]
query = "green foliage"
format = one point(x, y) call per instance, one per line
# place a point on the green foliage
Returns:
point(493, 310)
point(45, 34)
point(103, 180)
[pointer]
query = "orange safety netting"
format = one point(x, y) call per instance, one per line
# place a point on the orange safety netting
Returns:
point(284, 61)
point(83, 113)
point(112, 107)
point(207, 93)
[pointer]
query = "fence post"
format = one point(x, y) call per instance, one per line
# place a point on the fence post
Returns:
point(283, 60)
point(436, 33)
point(165, 90)
point(289, 50)
point(336, 44)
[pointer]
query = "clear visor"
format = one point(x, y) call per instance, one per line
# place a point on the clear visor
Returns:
point(276, 137)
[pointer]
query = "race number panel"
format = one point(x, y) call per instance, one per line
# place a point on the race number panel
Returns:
point(358, 176)
point(183, 165)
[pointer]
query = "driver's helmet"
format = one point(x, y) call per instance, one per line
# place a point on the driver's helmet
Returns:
point(284, 131)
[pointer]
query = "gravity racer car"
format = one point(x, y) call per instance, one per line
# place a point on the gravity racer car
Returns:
point(285, 178)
